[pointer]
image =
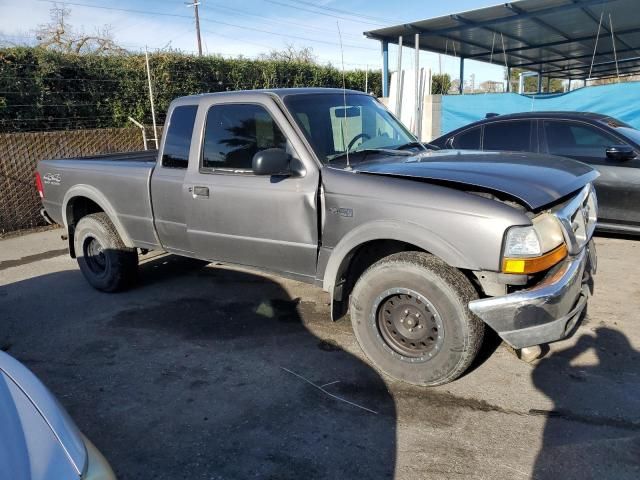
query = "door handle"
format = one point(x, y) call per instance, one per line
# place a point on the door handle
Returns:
point(201, 192)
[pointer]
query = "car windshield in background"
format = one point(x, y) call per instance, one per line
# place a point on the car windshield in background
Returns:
point(623, 129)
point(630, 133)
point(336, 124)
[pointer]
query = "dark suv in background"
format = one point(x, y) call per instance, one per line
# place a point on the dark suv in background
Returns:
point(607, 144)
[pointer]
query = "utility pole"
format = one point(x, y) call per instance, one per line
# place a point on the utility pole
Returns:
point(195, 7)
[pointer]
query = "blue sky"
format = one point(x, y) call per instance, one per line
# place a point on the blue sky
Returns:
point(251, 27)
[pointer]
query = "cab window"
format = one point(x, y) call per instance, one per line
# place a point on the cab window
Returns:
point(234, 133)
point(178, 141)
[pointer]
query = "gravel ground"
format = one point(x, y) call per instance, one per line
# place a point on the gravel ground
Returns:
point(222, 373)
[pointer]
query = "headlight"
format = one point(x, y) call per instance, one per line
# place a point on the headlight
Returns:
point(534, 248)
point(522, 242)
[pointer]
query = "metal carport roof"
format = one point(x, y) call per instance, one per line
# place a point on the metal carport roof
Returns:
point(556, 38)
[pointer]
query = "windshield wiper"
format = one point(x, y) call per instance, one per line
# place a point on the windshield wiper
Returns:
point(423, 146)
point(367, 151)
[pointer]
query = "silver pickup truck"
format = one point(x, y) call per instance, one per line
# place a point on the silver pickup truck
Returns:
point(423, 247)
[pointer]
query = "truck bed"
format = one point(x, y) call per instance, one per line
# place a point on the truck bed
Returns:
point(136, 156)
point(117, 182)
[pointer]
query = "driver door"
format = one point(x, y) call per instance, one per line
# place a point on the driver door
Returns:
point(235, 216)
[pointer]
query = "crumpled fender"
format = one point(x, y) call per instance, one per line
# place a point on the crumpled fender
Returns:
point(408, 232)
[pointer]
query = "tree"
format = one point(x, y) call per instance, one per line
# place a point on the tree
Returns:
point(607, 81)
point(440, 84)
point(291, 54)
point(60, 36)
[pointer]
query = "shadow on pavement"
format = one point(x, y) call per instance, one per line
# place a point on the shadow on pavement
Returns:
point(202, 373)
point(593, 432)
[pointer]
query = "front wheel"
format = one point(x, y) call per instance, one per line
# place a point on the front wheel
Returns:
point(104, 260)
point(410, 314)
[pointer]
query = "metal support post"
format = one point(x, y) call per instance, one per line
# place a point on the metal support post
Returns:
point(418, 106)
point(399, 78)
point(385, 68)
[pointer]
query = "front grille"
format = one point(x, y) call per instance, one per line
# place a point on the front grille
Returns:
point(578, 218)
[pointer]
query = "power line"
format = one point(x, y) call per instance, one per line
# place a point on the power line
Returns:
point(96, 80)
point(236, 11)
point(219, 22)
point(43, 118)
point(297, 37)
point(346, 12)
point(156, 48)
point(105, 103)
point(322, 12)
point(248, 42)
point(127, 45)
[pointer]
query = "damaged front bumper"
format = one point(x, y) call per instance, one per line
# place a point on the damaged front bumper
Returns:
point(546, 312)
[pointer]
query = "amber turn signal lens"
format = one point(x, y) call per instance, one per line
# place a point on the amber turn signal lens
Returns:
point(534, 264)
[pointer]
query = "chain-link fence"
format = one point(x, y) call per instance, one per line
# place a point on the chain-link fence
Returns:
point(20, 152)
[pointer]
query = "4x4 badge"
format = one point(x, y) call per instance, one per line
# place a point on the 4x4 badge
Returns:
point(52, 178)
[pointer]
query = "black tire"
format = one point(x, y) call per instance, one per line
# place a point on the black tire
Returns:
point(106, 263)
point(410, 314)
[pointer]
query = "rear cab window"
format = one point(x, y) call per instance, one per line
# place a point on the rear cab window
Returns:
point(178, 137)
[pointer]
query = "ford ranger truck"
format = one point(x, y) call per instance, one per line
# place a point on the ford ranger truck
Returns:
point(424, 248)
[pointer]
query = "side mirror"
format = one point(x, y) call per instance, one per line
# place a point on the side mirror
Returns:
point(272, 161)
point(621, 152)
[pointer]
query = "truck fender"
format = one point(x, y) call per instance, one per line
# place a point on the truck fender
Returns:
point(407, 232)
point(100, 199)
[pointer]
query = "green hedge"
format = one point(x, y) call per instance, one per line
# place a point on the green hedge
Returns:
point(43, 90)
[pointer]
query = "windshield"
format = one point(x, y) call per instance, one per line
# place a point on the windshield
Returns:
point(333, 129)
point(630, 133)
point(623, 129)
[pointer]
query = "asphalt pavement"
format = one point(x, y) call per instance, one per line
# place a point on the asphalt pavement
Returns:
point(211, 372)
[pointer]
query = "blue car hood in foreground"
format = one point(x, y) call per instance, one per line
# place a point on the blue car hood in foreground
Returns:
point(533, 179)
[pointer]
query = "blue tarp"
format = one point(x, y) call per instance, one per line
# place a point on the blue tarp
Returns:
point(621, 101)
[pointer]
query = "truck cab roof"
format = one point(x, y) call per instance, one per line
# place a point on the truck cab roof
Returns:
point(280, 92)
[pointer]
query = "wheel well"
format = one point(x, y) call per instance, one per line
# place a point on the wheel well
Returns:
point(77, 208)
point(354, 265)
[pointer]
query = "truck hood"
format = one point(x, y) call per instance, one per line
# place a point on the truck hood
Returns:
point(533, 179)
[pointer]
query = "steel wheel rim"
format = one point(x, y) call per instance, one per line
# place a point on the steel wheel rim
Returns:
point(408, 325)
point(94, 255)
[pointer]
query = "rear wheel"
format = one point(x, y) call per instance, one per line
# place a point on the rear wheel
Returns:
point(106, 263)
point(410, 315)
